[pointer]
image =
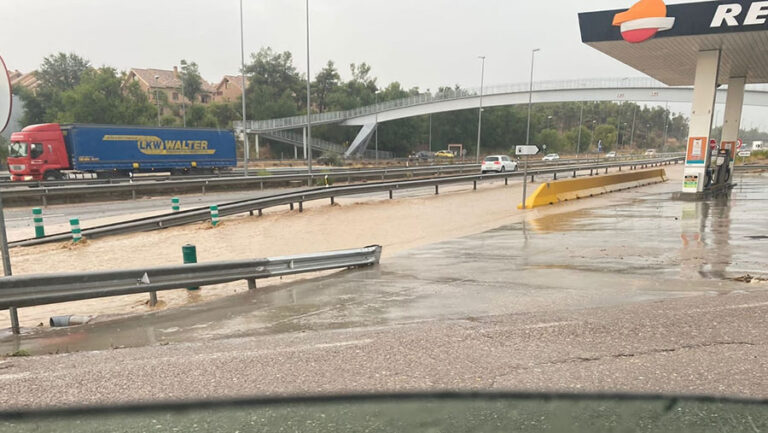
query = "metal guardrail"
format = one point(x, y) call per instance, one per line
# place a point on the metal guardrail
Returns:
point(299, 197)
point(751, 167)
point(40, 289)
point(87, 192)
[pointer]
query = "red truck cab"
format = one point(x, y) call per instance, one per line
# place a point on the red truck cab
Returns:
point(38, 152)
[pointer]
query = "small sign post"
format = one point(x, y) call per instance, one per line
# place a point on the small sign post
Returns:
point(527, 150)
point(6, 99)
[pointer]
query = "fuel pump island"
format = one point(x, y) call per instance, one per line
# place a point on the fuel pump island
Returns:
point(704, 44)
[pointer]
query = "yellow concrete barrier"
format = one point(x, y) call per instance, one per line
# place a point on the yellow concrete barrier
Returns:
point(572, 189)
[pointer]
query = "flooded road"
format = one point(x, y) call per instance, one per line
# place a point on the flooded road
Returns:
point(652, 247)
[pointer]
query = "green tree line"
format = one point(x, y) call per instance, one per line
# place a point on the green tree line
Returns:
point(72, 90)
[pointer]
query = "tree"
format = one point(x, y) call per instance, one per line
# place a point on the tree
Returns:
point(61, 72)
point(572, 140)
point(275, 87)
point(607, 135)
point(101, 98)
point(552, 139)
point(326, 81)
point(222, 115)
point(58, 73)
point(190, 80)
point(4, 142)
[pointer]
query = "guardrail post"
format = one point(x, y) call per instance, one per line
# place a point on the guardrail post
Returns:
point(474, 185)
point(189, 255)
point(37, 216)
point(214, 215)
point(15, 327)
point(606, 170)
point(619, 168)
point(506, 180)
point(291, 206)
point(251, 284)
point(555, 177)
point(301, 206)
point(175, 204)
point(260, 212)
point(437, 189)
point(152, 299)
point(532, 178)
point(74, 223)
point(390, 194)
point(574, 173)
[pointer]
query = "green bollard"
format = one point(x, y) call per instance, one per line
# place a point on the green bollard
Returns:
point(74, 223)
point(189, 254)
point(214, 215)
point(37, 216)
point(175, 204)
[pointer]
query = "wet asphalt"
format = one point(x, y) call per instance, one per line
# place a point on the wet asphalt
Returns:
point(640, 296)
point(649, 248)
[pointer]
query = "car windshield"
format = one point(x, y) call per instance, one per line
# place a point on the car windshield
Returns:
point(491, 158)
point(18, 149)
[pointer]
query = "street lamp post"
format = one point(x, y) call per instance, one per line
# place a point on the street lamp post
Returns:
point(581, 122)
point(309, 104)
point(549, 118)
point(157, 98)
point(530, 100)
point(528, 127)
point(632, 134)
point(430, 132)
point(376, 131)
point(183, 103)
point(666, 126)
point(480, 111)
point(592, 141)
point(624, 135)
point(246, 146)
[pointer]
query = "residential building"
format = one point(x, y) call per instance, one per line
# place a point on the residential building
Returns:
point(155, 81)
point(229, 89)
point(28, 80)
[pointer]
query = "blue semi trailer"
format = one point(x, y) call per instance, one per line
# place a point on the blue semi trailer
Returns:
point(52, 151)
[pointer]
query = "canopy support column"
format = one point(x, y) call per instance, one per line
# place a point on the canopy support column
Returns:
point(698, 152)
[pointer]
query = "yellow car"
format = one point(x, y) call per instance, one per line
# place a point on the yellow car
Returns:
point(444, 154)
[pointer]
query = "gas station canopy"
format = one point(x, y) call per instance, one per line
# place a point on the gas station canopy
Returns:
point(670, 45)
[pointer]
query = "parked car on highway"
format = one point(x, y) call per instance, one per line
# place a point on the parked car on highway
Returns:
point(498, 163)
point(551, 157)
point(650, 152)
point(422, 156)
point(444, 154)
point(611, 155)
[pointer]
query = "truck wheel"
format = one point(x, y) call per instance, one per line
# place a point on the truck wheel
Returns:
point(52, 175)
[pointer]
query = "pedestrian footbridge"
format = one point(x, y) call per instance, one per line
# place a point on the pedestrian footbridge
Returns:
point(612, 89)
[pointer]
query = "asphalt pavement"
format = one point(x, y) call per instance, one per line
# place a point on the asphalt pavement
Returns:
point(642, 296)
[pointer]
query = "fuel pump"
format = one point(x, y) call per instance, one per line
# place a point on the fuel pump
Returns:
point(722, 167)
point(723, 161)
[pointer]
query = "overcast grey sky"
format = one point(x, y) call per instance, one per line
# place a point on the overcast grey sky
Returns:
point(424, 43)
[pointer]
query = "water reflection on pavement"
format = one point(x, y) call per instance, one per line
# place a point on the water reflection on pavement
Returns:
point(653, 247)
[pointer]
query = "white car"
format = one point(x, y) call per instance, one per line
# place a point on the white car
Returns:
point(610, 155)
point(498, 163)
point(551, 157)
point(650, 152)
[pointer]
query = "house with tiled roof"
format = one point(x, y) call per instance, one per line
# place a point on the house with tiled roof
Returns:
point(154, 81)
point(28, 80)
point(229, 89)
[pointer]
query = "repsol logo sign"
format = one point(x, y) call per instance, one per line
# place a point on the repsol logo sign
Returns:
point(736, 15)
